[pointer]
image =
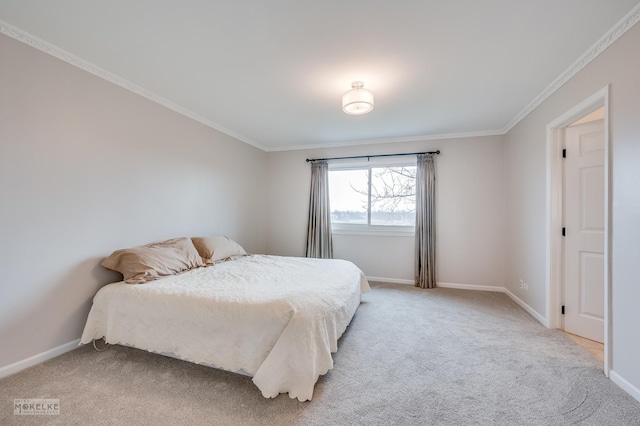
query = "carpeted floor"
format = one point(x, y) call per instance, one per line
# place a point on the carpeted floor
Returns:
point(409, 357)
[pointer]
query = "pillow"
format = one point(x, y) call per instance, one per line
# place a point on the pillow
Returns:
point(147, 263)
point(214, 249)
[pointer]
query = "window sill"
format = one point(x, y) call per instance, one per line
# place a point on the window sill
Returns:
point(375, 231)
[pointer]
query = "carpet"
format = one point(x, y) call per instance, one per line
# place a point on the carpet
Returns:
point(409, 357)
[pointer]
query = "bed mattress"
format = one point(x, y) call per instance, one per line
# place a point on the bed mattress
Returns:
point(277, 319)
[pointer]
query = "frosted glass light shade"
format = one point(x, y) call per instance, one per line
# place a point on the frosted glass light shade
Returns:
point(358, 100)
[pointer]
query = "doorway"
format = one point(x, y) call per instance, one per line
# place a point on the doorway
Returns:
point(583, 230)
point(586, 215)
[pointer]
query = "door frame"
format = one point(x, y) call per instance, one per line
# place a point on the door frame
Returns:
point(554, 219)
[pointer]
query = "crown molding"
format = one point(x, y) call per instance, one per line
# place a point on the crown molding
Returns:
point(388, 140)
point(63, 55)
point(626, 23)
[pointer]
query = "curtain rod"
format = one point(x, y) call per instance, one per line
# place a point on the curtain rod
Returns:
point(372, 156)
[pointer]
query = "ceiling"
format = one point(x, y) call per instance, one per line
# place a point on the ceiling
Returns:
point(272, 73)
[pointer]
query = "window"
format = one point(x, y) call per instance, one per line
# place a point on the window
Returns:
point(373, 198)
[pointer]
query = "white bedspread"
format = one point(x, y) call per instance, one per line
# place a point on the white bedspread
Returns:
point(277, 319)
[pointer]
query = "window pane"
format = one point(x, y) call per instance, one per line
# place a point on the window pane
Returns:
point(393, 196)
point(348, 192)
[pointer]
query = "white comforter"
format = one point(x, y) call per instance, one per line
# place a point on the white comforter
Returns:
point(277, 319)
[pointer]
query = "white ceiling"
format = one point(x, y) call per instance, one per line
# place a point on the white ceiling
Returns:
point(272, 72)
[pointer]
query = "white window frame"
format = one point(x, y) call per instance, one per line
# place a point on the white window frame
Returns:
point(367, 229)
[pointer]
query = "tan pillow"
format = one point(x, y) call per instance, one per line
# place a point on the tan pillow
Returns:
point(147, 263)
point(214, 249)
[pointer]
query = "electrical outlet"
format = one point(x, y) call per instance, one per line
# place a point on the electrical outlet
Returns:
point(521, 283)
point(526, 286)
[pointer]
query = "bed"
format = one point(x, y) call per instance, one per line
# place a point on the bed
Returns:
point(277, 319)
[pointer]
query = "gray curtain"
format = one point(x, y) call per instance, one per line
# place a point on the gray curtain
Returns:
point(425, 262)
point(319, 241)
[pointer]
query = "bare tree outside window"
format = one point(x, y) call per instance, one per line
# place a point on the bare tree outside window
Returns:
point(392, 201)
point(393, 196)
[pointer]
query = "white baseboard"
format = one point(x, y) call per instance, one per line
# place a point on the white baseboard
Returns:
point(471, 287)
point(443, 285)
point(625, 385)
point(37, 359)
point(527, 308)
point(390, 280)
point(497, 289)
point(513, 297)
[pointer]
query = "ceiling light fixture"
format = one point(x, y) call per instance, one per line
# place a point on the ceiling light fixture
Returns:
point(358, 100)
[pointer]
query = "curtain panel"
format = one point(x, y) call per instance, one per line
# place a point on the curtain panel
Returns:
point(425, 262)
point(319, 239)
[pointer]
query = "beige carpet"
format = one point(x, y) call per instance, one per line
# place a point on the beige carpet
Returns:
point(410, 356)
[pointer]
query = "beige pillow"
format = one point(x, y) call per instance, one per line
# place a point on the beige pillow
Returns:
point(147, 263)
point(214, 249)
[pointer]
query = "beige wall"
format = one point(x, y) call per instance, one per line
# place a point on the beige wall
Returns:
point(87, 167)
point(470, 201)
point(525, 176)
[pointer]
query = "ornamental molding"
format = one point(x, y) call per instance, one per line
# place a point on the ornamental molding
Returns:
point(625, 24)
point(69, 58)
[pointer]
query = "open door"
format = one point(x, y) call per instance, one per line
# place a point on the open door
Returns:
point(584, 230)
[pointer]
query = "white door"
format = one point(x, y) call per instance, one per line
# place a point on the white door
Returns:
point(584, 230)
